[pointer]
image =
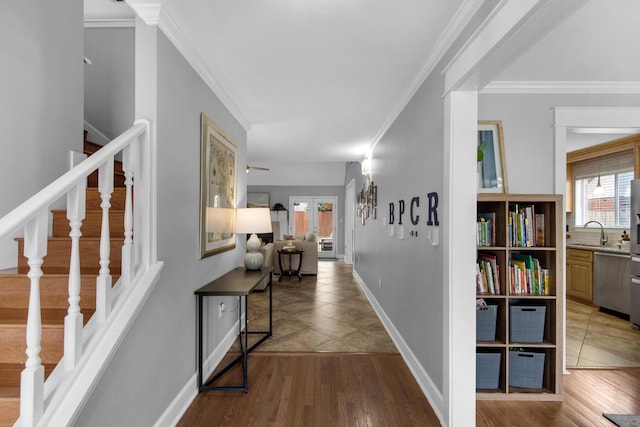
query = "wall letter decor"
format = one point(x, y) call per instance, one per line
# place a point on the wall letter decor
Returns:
point(433, 206)
point(414, 202)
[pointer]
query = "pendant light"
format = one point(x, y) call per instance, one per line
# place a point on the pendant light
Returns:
point(598, 191)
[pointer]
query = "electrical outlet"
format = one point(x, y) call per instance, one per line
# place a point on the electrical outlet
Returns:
point(221, 308)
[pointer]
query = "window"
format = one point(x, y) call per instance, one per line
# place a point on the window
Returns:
point(602, 190)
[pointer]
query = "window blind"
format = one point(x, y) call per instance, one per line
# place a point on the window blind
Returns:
point(604, 165)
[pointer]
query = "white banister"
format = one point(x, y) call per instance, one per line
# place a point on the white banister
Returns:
point(103, 281)
point(15, 219)
point(32, 377)
point(76, 208)
point(58, 398)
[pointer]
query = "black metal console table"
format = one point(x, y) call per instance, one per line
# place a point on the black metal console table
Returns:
point(238, 282)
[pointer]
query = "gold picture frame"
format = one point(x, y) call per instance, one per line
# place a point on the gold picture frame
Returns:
point(492, 167)
point(218, 169)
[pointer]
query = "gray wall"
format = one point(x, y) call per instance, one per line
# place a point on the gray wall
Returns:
point(41, 81)
point(158, 356)
point(109, 80)
point(281, 194)
point(406, 276)
point(527, 121)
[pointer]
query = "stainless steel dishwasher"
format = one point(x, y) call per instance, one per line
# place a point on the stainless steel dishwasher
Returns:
point(612, 281)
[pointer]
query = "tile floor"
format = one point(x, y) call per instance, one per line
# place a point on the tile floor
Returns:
point(599, 339)
point(327, 312)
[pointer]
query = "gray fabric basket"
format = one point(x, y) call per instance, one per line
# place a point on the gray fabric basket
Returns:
point(526, 369)
point(488, 371)
point(486, 316)
point(526, 323)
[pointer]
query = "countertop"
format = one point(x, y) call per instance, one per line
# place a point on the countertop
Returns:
point(596, 248)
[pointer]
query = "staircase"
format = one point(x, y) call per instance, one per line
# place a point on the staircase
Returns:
point(54, 288)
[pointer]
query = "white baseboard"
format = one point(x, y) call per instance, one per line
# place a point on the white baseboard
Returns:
point(431, 392)
point(176, 409)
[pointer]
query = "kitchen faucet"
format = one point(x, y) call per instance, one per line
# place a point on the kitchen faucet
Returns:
point(603, 237)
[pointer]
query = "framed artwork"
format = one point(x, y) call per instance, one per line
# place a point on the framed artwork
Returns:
point(492, 170)
point(258, 200)
point(218, 166)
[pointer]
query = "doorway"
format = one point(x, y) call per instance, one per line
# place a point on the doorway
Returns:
point(317, 215)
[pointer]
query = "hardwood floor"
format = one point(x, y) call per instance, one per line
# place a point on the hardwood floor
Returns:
point(317, 389)
point(312, 373)
point(588, 393)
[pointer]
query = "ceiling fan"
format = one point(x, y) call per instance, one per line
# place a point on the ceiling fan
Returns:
point(256, 168)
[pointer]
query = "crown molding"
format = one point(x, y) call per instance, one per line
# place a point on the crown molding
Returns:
point(180, 41)
point(562, 87)
point(110, 23)
point(155, 14)
point(459, 21)
point(148, 12)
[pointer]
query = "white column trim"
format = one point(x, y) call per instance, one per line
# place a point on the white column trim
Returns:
point(561, 87)
point(502, 21)
point(148, 12)
point(597, 117)
point(460, 134)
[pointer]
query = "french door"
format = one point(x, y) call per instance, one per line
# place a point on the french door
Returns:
point(317, 215)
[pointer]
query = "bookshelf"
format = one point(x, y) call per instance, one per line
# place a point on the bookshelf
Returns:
point(519, 245)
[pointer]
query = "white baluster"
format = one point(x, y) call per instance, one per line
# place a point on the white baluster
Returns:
point(32, 377)
point(127, 247)
point(73, 319)
point(103, 281)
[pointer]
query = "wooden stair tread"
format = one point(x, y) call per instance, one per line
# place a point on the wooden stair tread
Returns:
point(10, 393)
point(97, 210)
point(50, 317)
point(93, 271)
point(10, 378)
point(68, 239)
point(84, 272)
point(9, 406)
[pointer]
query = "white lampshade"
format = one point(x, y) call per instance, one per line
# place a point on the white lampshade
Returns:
point(253, 220)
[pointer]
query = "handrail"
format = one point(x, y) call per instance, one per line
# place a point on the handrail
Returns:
point(61, 396)
point(52, 192)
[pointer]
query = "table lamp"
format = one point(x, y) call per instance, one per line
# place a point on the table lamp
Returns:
point(253, 220)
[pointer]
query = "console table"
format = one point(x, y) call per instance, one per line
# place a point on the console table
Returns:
point(240, 283)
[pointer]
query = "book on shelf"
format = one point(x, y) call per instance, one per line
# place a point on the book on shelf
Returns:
point(527, 275)
point(486, 229)
point(540, 230)
point(487, 275)
point(523, 231)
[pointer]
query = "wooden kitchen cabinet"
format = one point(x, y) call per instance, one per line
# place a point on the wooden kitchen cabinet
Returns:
point(580, 274)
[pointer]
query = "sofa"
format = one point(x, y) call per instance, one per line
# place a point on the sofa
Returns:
point(306, 242)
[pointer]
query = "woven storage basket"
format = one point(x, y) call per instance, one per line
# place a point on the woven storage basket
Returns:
point(486, 316)
point(526, 323)
point(488, 370)
point(526, 369)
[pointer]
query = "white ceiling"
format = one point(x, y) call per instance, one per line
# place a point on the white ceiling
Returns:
point(320, 79)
